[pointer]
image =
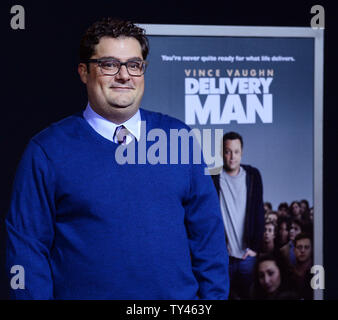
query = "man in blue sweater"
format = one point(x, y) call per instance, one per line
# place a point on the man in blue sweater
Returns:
point(83, 226)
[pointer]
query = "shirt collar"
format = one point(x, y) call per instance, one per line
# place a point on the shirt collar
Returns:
point(107, 128)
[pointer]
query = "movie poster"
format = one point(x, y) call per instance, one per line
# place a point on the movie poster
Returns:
point(262, 88)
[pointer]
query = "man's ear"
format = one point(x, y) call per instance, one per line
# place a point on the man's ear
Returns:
point(83, 72)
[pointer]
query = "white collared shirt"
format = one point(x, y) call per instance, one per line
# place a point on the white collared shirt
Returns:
point(107, 128)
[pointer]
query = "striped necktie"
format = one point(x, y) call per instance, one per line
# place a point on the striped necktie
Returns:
point(120, 135)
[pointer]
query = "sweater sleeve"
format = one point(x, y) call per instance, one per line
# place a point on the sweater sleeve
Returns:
point(30, 225)
point(207, 237)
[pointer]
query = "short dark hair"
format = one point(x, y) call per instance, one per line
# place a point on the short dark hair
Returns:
point(303, 235)
point(114, 28)
point(285, 220)
point(233, 136)
point(306, 203)
point(268, 204)
point(283, 205)
point(298, 222)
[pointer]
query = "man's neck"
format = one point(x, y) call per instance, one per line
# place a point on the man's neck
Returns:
point(116, 115)
point(232, 172)
point(303, 267)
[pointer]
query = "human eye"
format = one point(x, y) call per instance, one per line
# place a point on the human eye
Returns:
point(110, 64)
point(134, 65)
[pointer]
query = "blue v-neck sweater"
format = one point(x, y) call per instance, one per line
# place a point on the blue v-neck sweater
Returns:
point(85, 227)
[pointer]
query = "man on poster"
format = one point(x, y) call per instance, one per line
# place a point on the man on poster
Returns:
point(240, 192)
point(83, 226)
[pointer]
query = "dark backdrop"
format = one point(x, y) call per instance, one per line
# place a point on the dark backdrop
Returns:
point(40, 85)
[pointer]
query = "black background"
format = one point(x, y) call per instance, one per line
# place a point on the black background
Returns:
point(40, 85)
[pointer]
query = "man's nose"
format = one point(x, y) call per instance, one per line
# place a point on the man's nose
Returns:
point(123, 73)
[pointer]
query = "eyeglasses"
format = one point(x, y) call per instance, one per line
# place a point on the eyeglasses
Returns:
point(110, 67)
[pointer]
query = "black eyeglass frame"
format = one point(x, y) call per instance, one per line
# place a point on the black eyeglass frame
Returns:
point(99, 61)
